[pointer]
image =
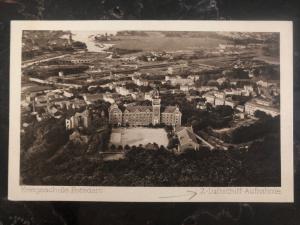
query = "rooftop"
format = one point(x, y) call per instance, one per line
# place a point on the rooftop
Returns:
point(253, 103)
point(170, 109)
point(139, 108)
point(186, 135)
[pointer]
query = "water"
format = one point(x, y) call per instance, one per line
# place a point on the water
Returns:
point(88, 38)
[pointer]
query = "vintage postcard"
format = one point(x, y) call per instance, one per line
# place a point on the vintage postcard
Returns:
point(151, 111)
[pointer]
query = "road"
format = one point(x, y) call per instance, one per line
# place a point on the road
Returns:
point(26, 64)
point(205, 142)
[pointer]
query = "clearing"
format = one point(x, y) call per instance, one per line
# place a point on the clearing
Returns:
point(138, 135)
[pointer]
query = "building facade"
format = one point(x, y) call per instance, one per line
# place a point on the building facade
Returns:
point(156, 108)
point(252, 106)
point(137, 115)
point(171, 116)
point(79, 120)
point(210, 98)
point(187, 139)
point(115, 115)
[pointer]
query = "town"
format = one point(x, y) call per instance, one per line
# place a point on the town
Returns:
point(107, 103)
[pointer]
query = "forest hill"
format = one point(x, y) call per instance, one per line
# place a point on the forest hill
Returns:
point(61, 162)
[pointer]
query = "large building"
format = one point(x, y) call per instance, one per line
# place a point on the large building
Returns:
point(115, 115)
point(122, 90)
point(171, 116)
point(219, 98)
point(138, 115)
point(79, 120)
point(140, 81)
point(179, 80)
point(253, 105)
point(187, 139)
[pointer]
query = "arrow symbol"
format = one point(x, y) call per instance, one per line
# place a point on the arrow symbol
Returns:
point(190, 194)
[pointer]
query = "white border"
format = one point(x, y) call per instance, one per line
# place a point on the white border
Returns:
point(285, 193)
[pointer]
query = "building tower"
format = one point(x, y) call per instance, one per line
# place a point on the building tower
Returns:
point(87, 118)
point(156, 107)
point(115, 115)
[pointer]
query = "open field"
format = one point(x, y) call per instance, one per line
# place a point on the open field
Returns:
point(154, 43)
point(138, 135)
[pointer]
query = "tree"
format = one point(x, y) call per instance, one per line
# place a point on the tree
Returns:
point(155, 145)
point(259, 129)
point(78, 44)
point(209, 106)
point(238, 74)
point(261, 115)
point(162, 148)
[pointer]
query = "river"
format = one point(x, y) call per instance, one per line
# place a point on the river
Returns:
point(88, 38)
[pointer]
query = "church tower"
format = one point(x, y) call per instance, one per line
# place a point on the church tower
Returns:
point(156, 107)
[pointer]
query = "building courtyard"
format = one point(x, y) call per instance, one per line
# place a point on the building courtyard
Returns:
point(138, 136)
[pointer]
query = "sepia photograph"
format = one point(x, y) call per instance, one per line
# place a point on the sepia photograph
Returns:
point(131, 105)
